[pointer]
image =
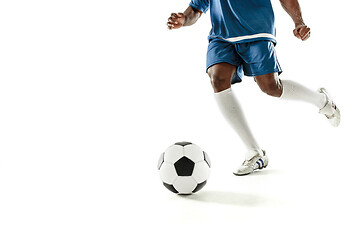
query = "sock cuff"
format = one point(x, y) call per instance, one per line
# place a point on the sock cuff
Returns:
point(229, 90)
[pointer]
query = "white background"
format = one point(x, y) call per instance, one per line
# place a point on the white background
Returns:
point(92, 92)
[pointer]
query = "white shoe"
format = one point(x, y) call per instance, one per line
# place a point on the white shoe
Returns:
point(330, 110)
point(256, 162)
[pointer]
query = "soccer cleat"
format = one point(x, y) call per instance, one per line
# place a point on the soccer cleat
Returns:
point(252, 164)
point(330, 110)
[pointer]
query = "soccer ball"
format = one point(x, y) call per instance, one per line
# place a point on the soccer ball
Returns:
point(184, 168)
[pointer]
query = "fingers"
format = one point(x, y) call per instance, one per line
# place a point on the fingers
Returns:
point(302, 32)
point(170, 23)
point(174, 16)
point(173, 20)
point(306, 36)
point(296, 34)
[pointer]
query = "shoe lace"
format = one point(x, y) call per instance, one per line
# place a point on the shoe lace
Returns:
point(247, 162)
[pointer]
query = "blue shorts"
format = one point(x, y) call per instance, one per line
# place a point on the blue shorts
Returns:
point(251, 58)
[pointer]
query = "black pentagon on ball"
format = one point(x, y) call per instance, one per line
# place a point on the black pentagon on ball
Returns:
point(199, 186)
point(184, 166)
point(207, 159)
point(183, 143)
point(170, 187)
point(161, 160)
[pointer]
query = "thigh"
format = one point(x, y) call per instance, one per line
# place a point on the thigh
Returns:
point(259, 58)
point(222, 70)
point(221, 52)
point(221, 75)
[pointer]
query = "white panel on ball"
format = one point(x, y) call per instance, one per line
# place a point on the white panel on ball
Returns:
point(168, 173)
point(173, 153)
point(201, 171)
point(185, 185)
point(194, 153)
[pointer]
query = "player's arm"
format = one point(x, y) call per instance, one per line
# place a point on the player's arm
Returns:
point(188, 18)
point(292, 7)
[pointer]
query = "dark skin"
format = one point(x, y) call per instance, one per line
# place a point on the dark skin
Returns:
point(221, 73)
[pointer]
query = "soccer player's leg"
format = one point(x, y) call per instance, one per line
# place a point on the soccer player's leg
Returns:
point(221, 75)
point(290, 90)
point(266, 74)
point(270, 84)
point(321, 99)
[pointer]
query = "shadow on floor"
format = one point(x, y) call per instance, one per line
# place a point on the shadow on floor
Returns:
point(233, 198)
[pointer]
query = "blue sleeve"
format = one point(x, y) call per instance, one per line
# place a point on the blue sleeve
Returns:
point(202, 5)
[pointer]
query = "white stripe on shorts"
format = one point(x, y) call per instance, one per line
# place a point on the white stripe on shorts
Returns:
point(259, 35)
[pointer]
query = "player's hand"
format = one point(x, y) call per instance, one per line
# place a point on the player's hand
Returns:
point(176, 20)
point(302, 32)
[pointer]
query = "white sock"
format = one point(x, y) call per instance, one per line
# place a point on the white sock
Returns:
point(294, 91)
point(233, 113)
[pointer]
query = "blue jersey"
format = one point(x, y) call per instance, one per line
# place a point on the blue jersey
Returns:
point(239, 20)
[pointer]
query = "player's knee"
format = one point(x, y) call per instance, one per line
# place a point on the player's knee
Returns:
point(270, 86)
point(219, 82)
point(273, 89)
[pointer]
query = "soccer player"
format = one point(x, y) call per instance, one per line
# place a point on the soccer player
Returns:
point(242, 42)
